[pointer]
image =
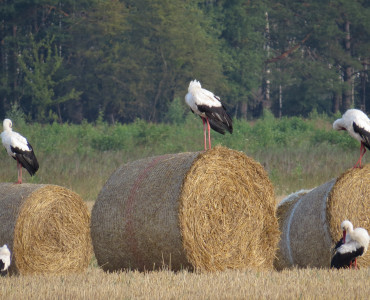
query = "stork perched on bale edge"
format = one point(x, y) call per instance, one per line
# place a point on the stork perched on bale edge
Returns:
point(4, 259)
point(209, 107)
point(20, 149)
point(353, 244)
point(357, 124)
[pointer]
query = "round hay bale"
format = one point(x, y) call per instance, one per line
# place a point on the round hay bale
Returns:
point(310, 224)
point(283, 211)
point(46, 228)
point(208, 210)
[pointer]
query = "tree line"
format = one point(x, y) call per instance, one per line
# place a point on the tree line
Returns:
point(71, 60)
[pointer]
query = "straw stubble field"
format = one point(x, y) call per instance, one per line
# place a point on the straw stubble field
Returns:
point(290, 169)
point(210, 211)
point(95, 284)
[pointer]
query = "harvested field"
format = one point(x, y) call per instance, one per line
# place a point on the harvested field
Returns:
point(310, 220)
point(210, 211)
point(96, 284)
point(46, 228)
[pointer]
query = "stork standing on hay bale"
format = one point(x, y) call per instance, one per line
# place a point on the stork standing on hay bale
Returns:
point(4, 260)
point(353, 244)
point(358, 126)
point(209, 107)
point(20, 149)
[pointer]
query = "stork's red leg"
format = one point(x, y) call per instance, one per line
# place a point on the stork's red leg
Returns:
point(362, 153)
point(355, 263)
point(205, 135)
point(209, 134)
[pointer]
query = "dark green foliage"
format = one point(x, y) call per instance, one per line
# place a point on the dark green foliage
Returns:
point(67, 61)
point(322, 41)
point(176, 111)
point(266, 133)
point(43, 82)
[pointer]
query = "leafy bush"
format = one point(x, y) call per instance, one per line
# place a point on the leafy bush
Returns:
point(342, 140)
point(148, 138)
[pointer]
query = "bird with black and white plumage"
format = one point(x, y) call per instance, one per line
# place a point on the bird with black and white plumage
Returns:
point(4, 259)
point(353, 244)
point(357, 124)
point(210, 108)
point(20, 149)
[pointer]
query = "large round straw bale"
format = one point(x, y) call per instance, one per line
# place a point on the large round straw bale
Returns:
point(310, 224)
point(46, 228)
point(208, 210)
point(283, 211)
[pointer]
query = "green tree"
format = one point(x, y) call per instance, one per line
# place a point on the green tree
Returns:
point(98, 57)
point(242, 25)
point(20, 20)
point(318, 53)
point(173, 43)
point(40, 65)
point(135, 58)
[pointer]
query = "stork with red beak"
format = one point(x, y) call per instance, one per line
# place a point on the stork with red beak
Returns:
point(357, 124)
point(353, 244)
point(209, 107)
point(20, 149)
point(4, 260)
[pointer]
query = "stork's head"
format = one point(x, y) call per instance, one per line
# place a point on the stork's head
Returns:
point(194, 84)
point(5, 250)
point(339, 125)
point(7, 124)
point(346, 226)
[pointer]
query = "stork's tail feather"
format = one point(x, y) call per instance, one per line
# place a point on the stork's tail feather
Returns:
point(28, 162)
point(365, 134)
point(220, 127)
point(218, 118)
point(27, 159)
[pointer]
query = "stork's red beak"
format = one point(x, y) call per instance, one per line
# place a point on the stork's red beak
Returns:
point(344, 236)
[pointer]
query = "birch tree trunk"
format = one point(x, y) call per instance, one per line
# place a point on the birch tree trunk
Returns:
point(347, 69)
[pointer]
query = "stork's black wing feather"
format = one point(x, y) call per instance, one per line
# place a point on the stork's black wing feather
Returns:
point(344, 260)
point(27, 159)
point(218, 118)
point(363, 133)
point(338, 244)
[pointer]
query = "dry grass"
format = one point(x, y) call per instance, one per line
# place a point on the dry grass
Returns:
point(310, 223)
point(227, 212)
point(95, 284)
point(213, 210)
point(134, 221)
point(289, 169)
point(349, 199)
point(46, 227)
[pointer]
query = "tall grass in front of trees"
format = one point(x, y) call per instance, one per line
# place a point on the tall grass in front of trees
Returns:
point(297, 153)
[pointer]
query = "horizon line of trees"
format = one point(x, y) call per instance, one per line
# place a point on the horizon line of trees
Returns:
point(68, 60)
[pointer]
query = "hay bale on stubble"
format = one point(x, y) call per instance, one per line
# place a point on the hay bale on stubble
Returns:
point(310, 224)
point(46, 228)
point(208, 210)
point(283, 212)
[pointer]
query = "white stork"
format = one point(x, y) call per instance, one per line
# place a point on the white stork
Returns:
point(209, 107)
point(353, 244)
point(357, 124)
point(4, 259)
point(20, 149)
